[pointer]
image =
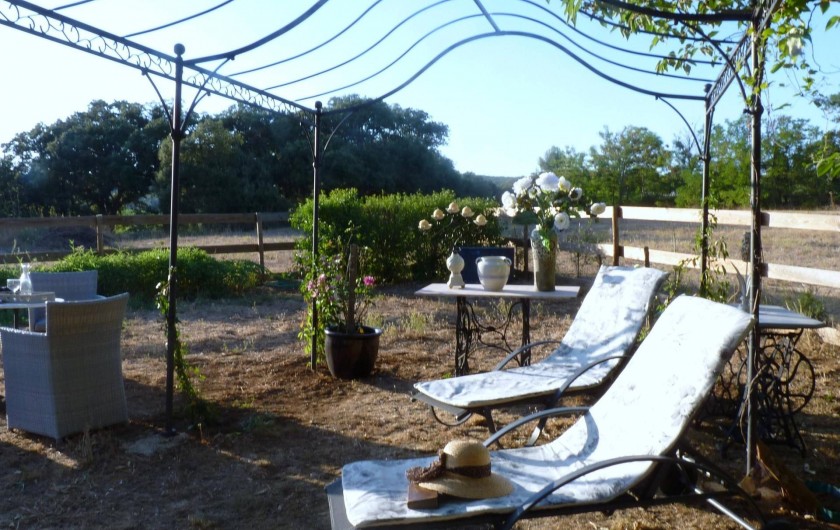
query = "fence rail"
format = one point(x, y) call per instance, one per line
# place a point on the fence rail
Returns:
point(100, 223)
point(789, 273)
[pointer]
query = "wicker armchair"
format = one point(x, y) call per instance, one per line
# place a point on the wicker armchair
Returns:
point(68, 379)
point(65, 285)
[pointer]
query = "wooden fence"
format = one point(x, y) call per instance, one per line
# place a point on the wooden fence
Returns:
point(790, 273)
point(102, 222)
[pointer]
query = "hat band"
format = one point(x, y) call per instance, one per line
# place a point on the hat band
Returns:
point(471, 471)
point(438, 467)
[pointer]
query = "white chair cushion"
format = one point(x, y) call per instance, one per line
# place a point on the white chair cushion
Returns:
point(607, 324)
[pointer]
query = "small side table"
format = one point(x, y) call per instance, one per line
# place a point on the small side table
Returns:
point(18, 301)
point(468, 328)
point(784, 382)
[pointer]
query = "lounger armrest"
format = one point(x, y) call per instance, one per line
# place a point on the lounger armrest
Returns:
point(536, 416)
point(553, 486)
point(518, 351)
point(582, 370)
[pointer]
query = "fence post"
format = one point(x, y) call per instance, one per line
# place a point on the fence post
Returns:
point(100, 238)
point(616, 247)
point(261, 248)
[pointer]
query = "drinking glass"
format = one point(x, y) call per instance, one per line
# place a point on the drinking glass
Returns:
point(13, 284)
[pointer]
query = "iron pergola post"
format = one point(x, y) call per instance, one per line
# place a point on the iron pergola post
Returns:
point(316, 192)
point(172, 279)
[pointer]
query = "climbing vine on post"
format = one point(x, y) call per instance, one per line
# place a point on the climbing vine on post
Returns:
point(197, 409)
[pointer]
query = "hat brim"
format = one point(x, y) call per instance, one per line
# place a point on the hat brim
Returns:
point(470, 488)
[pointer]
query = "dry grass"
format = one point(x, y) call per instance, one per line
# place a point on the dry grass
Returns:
point(284, 431)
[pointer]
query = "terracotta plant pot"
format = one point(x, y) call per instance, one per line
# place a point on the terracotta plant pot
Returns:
point(351, 355)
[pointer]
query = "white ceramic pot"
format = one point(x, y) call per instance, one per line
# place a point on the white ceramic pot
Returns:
point(493, 272)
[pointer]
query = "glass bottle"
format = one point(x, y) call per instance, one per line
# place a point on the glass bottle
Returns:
point(25, 282)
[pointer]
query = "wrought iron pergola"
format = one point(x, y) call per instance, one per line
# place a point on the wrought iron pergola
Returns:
point(352, 49)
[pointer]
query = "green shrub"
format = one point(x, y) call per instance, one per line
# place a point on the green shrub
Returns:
point(387, 224)
point(199, 274)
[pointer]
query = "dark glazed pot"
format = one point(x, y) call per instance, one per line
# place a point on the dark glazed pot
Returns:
point(351, 355)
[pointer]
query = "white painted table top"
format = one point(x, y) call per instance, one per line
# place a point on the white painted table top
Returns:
point(510, 291)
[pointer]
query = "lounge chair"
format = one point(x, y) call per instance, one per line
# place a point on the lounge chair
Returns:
point(604, 332)
point(618, 454)
point(69, 378)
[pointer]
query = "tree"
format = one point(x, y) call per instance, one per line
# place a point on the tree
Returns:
point(383, 148)
point(790, 178)
point(94, 162)
point(631, 167)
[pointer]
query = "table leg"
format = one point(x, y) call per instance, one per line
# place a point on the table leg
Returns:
point(463, 336)
point(525, 356)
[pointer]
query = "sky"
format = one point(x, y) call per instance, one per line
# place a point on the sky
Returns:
point(506, 101)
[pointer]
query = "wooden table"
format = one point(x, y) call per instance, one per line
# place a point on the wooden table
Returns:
point(468, 328)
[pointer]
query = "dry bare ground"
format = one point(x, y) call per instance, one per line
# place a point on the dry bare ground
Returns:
point(284, 431)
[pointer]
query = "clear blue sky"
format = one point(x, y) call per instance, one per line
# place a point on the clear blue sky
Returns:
point(506, 100)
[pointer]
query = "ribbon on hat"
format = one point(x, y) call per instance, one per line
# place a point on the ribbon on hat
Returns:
point(438, 468)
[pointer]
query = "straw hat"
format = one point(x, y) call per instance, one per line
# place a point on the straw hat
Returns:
point(462, 470)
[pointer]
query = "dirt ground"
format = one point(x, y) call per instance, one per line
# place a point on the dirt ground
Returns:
point(284, 431)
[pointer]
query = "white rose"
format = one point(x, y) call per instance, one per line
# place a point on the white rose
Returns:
point(548, 181)
point(598, 208)
point(438, 214)
point(453, 207)
point(508, 200)
point(424, 225)
point(480, 220)
point(564, 184)
point(467, 212)
point(521, 185)
point(561, 221)
point(575, 194)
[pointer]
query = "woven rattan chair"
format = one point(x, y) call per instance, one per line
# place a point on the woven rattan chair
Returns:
point(65, 285)
point(69, 378)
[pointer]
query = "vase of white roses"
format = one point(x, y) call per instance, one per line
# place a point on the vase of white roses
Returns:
point(547, 202)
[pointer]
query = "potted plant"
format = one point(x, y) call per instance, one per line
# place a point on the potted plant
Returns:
point(547, 202)
point(341, 296)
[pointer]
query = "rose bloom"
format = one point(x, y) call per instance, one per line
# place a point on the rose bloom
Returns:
point(564, 184)
point(575, 194)
point(561, 221)
point(548, 181)
point(598, 208)
point(438, 214)
point(508, 200)
point(467, 212)
point(521, 185)
point(480, 220)
point(369, 281)
point(424, 225)
point(453, 207)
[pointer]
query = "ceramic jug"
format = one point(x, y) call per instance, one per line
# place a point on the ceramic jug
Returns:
point(493, 272)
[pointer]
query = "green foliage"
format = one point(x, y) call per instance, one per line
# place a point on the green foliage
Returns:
point(387, 225)
point(139, 274)
point(197, 409)
point(94, 162)
point(342, 297)
point(808, 304)
point(630, 167)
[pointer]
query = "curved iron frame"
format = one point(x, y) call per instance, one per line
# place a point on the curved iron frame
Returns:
point(56, 27)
